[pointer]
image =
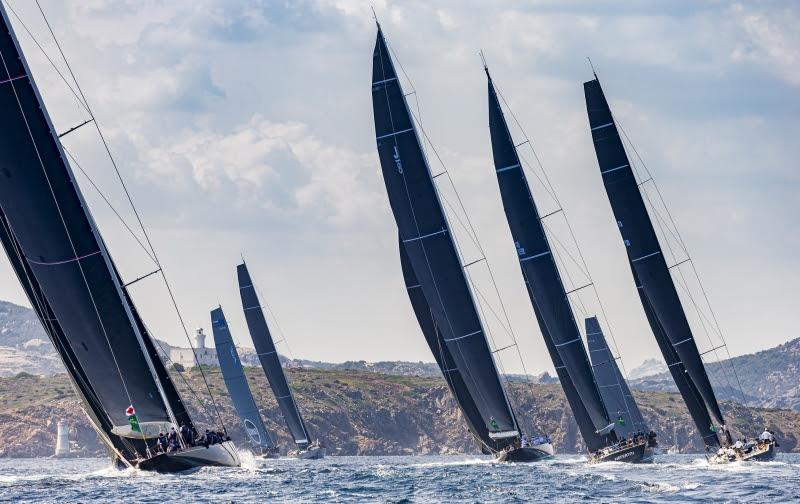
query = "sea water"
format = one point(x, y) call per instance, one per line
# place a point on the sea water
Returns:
point(565, 478)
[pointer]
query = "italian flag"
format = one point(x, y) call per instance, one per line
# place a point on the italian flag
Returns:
point(131, 414)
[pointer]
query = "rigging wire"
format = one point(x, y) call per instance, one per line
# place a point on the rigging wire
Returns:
point(133, 207)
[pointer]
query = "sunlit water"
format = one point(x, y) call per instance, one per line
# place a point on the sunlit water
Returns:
point(673, 478)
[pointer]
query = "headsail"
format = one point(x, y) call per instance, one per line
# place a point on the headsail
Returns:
point(63, 249)
point(441, 353)
point(622, 409)
point(647, 261)
point(268, 355)
point(542, 278)
point(236, 382)
point(427, 239)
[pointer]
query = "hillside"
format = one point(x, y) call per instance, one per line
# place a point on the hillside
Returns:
point(356, 413)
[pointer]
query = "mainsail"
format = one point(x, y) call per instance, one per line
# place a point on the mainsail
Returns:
point(69, 263)
point(440, 351)
point(236, 382)
point(543, 281)
point(651, 273)
point(617, 397)
point(426, 236)
point(268, 355)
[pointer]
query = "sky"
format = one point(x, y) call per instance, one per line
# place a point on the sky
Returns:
point(244, 129)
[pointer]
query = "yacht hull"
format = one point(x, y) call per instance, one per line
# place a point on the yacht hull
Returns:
point(760, 453)
point(638, 453)
point(315, 453)
point(222, 454)
point(527, 454)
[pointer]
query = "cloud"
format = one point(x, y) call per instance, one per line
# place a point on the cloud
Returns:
point(771, 40)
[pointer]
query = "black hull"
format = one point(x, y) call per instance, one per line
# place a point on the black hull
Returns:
point(631, 454)
point(221, 455)
point(523, 455)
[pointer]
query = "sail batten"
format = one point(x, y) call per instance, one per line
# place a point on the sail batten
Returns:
point(543, 282)
point(268, 356)
point(654, 282)
point(425, 235)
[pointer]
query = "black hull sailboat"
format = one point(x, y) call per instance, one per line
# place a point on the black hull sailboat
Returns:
point(634, 452)
point(653, 280)
point(271, 364)
point(548, 296)
point(435, 279)
point(221, 454)
point(238, 389)
point(71, 281)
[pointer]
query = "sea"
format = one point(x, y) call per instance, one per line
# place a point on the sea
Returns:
point(565, 478)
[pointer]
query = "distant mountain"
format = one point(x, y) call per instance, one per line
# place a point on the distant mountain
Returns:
point(769, 378)
point(24, 347)
point(649, 367)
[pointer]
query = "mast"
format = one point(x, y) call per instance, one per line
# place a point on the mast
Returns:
point(617, 397)
point(62, 246)
point(236, 382)
point(542, 278)
point(268, 356)
point(651, 273)
point(431, 250)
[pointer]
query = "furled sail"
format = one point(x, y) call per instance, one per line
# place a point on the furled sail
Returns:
point(268, 355)
point(427, 239)
point(236, 382)
point(440, 352)
point(622, 408)
point(62, 247)
point(539, 269)
point(647, 261)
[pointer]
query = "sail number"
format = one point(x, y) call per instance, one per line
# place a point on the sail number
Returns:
point(397, 161)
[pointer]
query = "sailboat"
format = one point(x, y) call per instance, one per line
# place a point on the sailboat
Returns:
point(238, 389)
point(656, 288)
point(73, 285)
point(551, 303)
point(433, 266)
point(271, 364)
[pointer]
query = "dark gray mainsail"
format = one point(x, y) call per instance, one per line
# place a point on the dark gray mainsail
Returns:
point(268, 356)
point(427, 239)
point(70, 265)
point(440, 351)
point(542, 278)
point(621, 406)
point(651, 273)
point(236, 382)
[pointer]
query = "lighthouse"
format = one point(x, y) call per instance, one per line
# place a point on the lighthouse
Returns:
point(62, 439)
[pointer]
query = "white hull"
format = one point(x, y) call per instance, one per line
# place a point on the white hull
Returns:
point(311, 453)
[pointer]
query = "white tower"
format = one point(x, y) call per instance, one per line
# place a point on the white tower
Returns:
point(199, 338)
point(62, 440)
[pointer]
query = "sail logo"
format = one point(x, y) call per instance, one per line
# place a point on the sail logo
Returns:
point(233, 353)
point(520, 249)
point(397, 161)
point(252, 431)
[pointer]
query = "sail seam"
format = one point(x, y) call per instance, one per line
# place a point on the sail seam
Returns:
point(13, 78)
point(507, 168)
point(568, 342)
point(253, 307)
point(465, 336)
point(613, 169)
point(546, 252)
point(384, 81)
point(425, 236)
point(66, 261)
point(606, 125)
point(683, 341)
point(394, 133)
point(646, 256)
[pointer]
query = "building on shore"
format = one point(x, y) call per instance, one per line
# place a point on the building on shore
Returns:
point(62, 439)
point(206, 356)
